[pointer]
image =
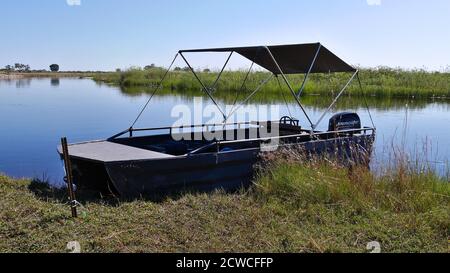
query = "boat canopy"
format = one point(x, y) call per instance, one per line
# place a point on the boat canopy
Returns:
point(292, 59)
point(279, 60)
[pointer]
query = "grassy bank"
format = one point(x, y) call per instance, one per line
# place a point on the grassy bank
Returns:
point(382, 82)
point(310, 207)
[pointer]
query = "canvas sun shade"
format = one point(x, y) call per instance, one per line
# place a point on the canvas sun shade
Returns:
point(292, 59)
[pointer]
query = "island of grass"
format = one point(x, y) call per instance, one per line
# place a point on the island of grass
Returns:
point(382, 82)
point(378, 82)
point(292, 207)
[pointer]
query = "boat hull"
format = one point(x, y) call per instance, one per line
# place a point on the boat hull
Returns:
point(230, 170)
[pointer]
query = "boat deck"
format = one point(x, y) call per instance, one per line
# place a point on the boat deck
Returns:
point(106, 151)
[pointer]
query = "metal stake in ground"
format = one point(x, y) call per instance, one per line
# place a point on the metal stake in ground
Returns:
point(69, 178)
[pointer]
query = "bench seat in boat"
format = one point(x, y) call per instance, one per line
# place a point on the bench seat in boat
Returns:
point(106, 151)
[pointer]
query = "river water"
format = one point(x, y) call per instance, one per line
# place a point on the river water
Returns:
point(36, 113)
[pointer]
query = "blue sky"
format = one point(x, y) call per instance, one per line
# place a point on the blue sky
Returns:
point(109, 34)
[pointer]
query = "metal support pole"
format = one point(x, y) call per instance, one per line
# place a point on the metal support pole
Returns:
point(221, 72)
point(249, 97)
point(203, 85)
point(154, 92)
point(242, 86)
point(365, 100)
point(335, 100)
point(69, 178)
point(289, 86)
point(309, 72)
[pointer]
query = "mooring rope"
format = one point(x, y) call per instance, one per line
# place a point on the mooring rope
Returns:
point(154, 92)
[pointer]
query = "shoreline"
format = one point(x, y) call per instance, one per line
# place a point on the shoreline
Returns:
point(63, 74)
point(10, 76)
point(388, 83)
point(294, 208)
point(380, 82)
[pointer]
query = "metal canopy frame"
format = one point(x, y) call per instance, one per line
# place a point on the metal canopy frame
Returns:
point(299, 94)
point(209, 90)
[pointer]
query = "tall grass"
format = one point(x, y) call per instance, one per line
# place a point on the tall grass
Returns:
point(295, 205)
point(397, 207)
point(403, 187)
point(381, 82)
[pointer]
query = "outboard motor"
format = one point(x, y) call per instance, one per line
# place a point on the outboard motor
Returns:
point(345, 121)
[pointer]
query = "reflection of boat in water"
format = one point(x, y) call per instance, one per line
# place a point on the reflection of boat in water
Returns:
point(211, 156)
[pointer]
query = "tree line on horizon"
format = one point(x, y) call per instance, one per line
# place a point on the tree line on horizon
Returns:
point(153, 66)
point(24, 68)
point(19, 67)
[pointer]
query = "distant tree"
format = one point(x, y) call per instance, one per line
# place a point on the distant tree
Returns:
point(149, 67)
point(118, 70)
point(54, 68)
point(186, 68)
point(135, 68)
point(20, 67)
point(206, 70)
point(9, 68)
point(177, 68)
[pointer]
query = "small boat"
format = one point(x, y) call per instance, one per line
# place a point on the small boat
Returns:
point(152, 163)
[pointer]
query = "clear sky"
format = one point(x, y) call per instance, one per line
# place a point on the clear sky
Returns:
point(109, 34)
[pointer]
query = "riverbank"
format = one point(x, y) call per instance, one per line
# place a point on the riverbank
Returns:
point(380, 82)
point(25, 75)
point(5, 76)
point(309, 207)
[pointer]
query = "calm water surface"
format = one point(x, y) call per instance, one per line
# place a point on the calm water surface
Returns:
point(35, 113)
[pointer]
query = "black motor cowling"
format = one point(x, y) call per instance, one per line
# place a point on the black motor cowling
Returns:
point(344, 121)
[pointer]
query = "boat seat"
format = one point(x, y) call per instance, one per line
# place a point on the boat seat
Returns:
point(290, 128)
point(106, 151)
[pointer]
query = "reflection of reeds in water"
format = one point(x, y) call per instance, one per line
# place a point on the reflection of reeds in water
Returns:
point(317, 102)
point(381, 88)
point(22, 83)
